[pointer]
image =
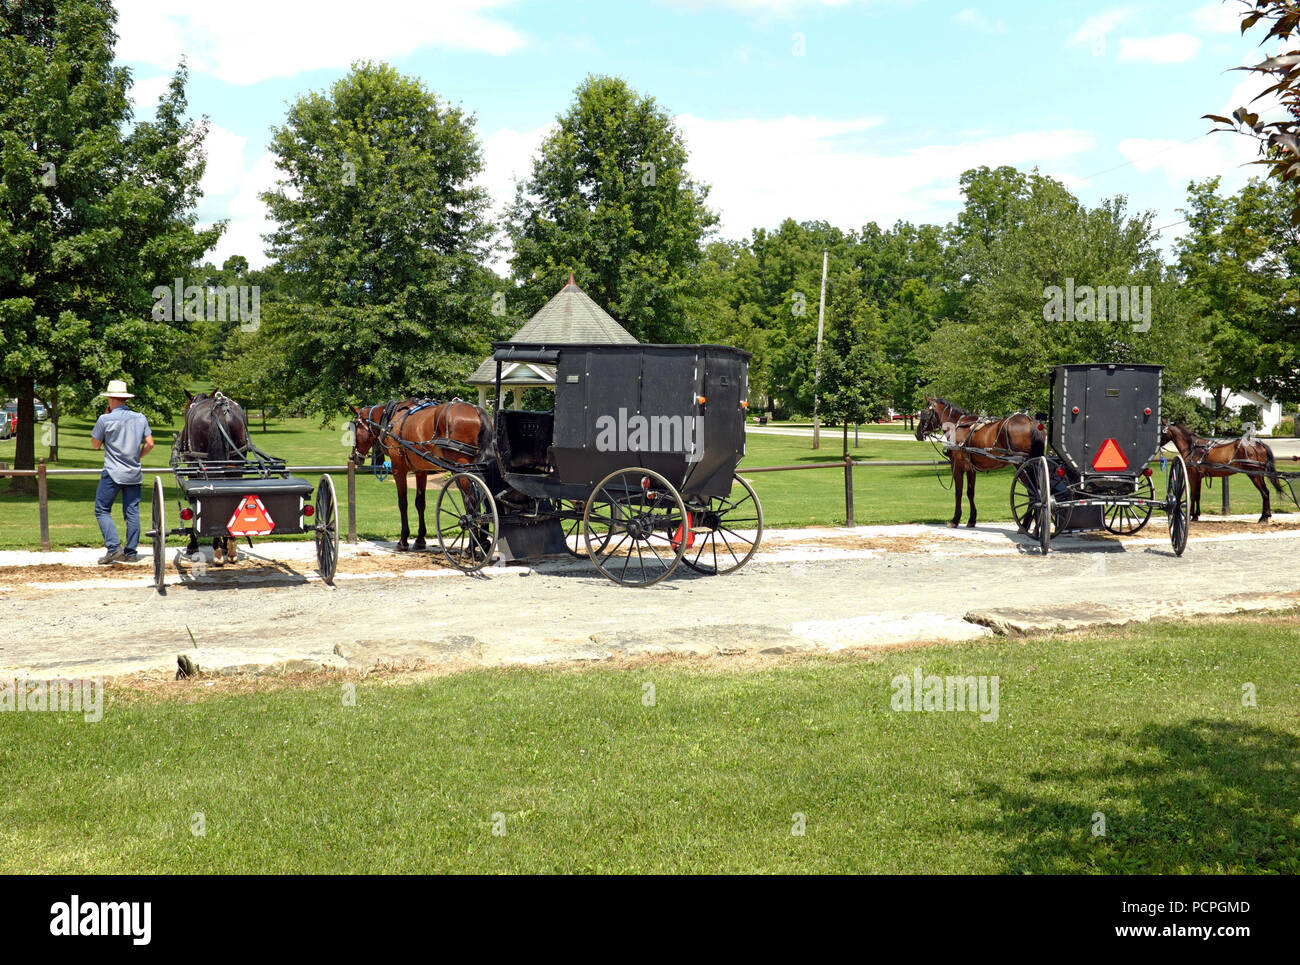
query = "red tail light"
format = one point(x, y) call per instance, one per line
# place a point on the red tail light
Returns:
point(1060, 470)
point(1075, 410)
point(309, 510)
point(1147, 472)
point(187, 513)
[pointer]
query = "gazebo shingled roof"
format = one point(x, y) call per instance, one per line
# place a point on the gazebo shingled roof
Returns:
point(570, 317)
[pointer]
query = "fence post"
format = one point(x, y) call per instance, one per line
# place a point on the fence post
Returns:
point(352, 501)
point(42, 496)
point(1227, 500)
point(848, 492)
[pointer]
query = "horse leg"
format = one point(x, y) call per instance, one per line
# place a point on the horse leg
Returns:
point(958, 476)
point(232, 550)
point(399, 476)
point(1263, 493)
point(421, 479)
point(1195, 479)
point(218, 552)
point(970, 496)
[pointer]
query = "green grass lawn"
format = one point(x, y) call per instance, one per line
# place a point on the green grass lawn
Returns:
point(805, 498)
point(1144, 725)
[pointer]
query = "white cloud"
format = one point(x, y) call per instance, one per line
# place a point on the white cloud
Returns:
point(1219, 17)
point(1184, 161)
point(246, 41)
point(247, 214)
point(145, 93)
point(1167, 49)
point(224, 171)
point(970, 17)
point(762, 171)
point(1097, 28)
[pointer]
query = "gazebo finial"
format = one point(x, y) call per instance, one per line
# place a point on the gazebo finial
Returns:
point(570, 279)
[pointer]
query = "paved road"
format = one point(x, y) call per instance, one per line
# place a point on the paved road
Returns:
point(874, 586)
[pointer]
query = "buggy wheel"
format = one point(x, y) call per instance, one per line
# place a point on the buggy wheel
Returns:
point(1045, 514)
point(327, 529)
point(158, 533)
point(632, 527)
point(1024, 497)
point(467, 523)
point(714, 540)
point(1127, 520)
point(1178, 504)
point(572, 527)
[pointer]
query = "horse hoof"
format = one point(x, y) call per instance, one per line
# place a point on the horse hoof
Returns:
point(420, 545)
point(971, 524)
point(954, 524)
point(403, 548)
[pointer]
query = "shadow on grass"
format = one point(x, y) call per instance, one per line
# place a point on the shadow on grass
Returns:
point(1204, 796)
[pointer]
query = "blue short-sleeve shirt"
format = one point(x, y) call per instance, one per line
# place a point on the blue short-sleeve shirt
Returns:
point(122, 431)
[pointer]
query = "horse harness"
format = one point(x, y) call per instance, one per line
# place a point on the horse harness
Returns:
point(385, 433)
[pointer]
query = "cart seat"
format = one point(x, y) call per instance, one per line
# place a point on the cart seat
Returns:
point(524, 440)
point(275, 485)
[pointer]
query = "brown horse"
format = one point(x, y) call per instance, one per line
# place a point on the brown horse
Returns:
point(214, 432)
point(420, 437)
point(1210, 458)
point(994, 437)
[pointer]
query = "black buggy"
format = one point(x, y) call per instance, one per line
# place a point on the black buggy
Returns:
point(1104, 429)
point(635, 468)
point(250, 494)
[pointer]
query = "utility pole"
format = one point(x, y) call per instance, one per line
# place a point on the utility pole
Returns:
point(817, 365)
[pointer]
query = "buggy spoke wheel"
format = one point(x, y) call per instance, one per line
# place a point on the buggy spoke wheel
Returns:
point(466, 522)
point(158, 533)
point(632, 527)
point(1178, 504)
point(571, 523)
point(1045, 520)
point(1024, 497)
point(723, 534)
point(1127, 520)
point(327, 529)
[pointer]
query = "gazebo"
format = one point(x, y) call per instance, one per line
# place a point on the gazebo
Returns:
point(570, 317)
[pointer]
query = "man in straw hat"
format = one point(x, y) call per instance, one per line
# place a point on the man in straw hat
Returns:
point(125, 437)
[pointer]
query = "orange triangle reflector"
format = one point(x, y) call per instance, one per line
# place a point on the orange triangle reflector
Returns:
point(250, 518)
point(1111, 457)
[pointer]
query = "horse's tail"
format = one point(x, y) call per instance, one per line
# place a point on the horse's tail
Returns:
point(1270, 467)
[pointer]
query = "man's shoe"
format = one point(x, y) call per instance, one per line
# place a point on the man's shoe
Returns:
point(109, 558)
point(130, 557)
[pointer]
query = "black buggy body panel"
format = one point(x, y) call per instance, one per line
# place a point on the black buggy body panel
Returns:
point(1118, 409)
point(676, 409)
point(214, 502)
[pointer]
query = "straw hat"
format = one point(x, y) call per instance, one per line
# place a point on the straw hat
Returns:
point(117, 390)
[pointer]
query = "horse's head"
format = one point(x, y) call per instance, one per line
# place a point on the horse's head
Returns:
point(1178, 434)
point(929, 421)
point(363, 434)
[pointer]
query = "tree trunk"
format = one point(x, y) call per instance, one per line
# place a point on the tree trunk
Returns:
point(25, 447)
point(52, 411)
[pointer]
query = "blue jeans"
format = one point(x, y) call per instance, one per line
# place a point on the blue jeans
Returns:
point(104, 497)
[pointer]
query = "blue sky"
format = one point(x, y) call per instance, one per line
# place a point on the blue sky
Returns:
point(839, 110)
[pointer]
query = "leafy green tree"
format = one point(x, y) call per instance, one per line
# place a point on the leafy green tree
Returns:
point(1239, 262)
point(609, 200)
point(381, 237)
point(1036, 269)
point(856, 381)
point(97, 212)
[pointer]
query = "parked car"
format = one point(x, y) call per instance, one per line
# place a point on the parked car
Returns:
point(41, 412)
point(9, 421)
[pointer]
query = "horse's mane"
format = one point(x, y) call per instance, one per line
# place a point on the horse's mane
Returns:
point(955, 408)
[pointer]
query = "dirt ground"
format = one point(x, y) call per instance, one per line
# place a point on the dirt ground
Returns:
point(805, 591)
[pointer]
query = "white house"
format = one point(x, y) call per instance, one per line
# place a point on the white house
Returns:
point(1270, 410)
